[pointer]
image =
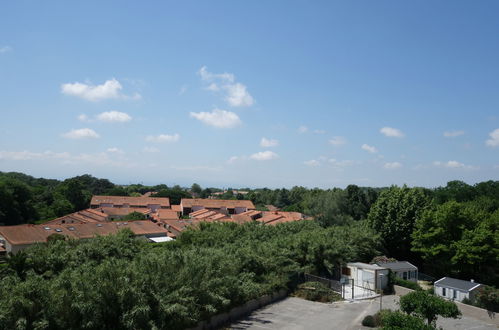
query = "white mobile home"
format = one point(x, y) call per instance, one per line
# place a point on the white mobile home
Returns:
point(402, 269)
point(454, 289)
point(367, 276)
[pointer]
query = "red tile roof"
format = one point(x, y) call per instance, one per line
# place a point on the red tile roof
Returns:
point(216, 203)
point(29, 234)
point(131, 201)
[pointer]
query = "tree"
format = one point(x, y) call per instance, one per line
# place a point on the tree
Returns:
point(134, 216)
point(428, 306)
point(393, 217)
point(196, 189)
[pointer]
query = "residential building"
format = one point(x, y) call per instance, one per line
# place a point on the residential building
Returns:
point(455, 289)
point(367, 276)
point(152, 203)
point(190, 205)
point(402, 269)
point(16, 238)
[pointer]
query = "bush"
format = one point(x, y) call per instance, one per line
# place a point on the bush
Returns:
point(368, 321)
point(467, 301)
point(316, 291)
point(397, 320)
point(407, 284)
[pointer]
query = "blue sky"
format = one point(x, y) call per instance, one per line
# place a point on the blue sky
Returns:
point(251, 93)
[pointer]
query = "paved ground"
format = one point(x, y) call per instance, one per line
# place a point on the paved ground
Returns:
point(296, 314)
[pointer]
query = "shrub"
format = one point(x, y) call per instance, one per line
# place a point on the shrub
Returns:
point(467, 301)
point(488, 298)
point(316, 291)
point(368, 321)
point(398, 320)
point(407, 284)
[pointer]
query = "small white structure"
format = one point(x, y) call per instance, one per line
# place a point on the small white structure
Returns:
point(454, 289)
point(402, 269)
point(367, 276)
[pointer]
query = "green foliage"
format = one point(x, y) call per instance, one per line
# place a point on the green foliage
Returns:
point(393, 217)
point(369, 321)
point(488, 298)
point(396, 320)
point(460, 240)
point(175, 194)
point(118, 282)
point(316, 291)
point(427, 306)
point(134, 216)
point(407, 284)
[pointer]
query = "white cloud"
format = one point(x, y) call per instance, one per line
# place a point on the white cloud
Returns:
point(82, 133)
point(267, 143)
point(212, 87)
point(5, 49)
point(110, 89)
point(452, 164)
point(114, 117)
point(100, 159)
point(392, 132)
point(233, 159)
point(312, 163)
point(451, 134)
point(337, 141)
point(369, 148)
point(341, 163)
point(115, 150)
point(264, 155)
point(392, 165)
point(208, 76)
point(150, 149)
point(28, 155)
point(218, 118)
point(238, 96)
point(319, 131)
point(302, 129)
point(161, 138)
point(182, 90)
point(84, 118)
point(494, 138)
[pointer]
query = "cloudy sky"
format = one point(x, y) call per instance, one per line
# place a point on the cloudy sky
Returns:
point(255, 93)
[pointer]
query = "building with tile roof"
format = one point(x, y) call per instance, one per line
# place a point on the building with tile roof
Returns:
point(190, 205)
point(16, 238)
point(153, 203)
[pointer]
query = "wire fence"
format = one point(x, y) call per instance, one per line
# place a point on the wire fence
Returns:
point(333, 284)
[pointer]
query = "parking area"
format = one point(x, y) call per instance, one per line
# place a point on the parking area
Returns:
point(296, 314)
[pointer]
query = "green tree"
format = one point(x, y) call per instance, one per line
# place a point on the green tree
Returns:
point(428, 306)
point(134, 216)
point(196, 189)
point(393, 216)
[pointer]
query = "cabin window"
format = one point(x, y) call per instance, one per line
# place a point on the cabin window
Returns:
point(454, 294)
point(443, 292)
point(404, 276)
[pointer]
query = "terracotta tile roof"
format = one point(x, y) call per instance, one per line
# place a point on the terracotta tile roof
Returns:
point(177, 208)
point(206, 215)
point(280, 217)
point(216, 203)
point(29, 234)
point(240, 218)
point(84, 216)
point(123, 211)
point(131, 201)
point(166, 214)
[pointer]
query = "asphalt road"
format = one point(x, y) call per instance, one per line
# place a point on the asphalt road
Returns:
point(297, 314)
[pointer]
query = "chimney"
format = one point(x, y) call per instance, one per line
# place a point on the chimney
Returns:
point(472, 281)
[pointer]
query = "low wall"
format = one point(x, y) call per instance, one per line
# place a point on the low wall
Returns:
point(237, 313)
point(467, 310)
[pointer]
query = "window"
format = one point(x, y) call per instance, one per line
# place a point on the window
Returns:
point(404, 276)
point(454, 294)
point(443, 292)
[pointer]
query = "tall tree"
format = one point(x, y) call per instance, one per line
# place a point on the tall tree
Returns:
point(393, 216)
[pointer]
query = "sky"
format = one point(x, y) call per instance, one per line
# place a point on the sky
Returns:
point(251, 93)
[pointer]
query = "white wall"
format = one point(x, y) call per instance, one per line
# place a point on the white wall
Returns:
point(449, 293)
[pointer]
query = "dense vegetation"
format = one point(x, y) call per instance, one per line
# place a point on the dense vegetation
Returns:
point(122, 283)
point(447, 231)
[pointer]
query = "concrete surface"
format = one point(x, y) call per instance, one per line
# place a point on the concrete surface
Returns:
point(359, 293)
point(297, 314)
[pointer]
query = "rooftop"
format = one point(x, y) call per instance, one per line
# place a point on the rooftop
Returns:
point(397, 265)
point(457, 284)
point(216, 203)
point(131, 201)
point(365, 266)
